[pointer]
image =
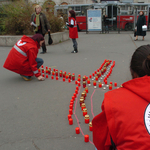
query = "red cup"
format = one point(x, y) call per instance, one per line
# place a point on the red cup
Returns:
point(70, 121)
point(79, 84)
point(69, 116)
point(70, 111)
point(77, 87)
point(76, 91)
point(71, 106)
point(52, 77)
point(87, 121)
point(46, 76)
point(75, 95)
point(43, 75)
point(115, 84)
point(90, 76)
point(76, 82)
point(77, 130)
point(69, 80)
point(86, 138)
point(91, 128)
point(63, 79)
point(56, 77)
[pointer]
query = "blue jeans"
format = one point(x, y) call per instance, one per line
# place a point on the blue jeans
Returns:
point(39, 62)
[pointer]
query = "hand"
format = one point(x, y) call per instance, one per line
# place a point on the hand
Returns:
point(31, 23)
point(66, 23)
point(40, 78)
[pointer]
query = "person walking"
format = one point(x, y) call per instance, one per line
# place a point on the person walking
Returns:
point(40, 24)
point(22, 58)
point(73, 31)
point(141, 21)
point(124, 123)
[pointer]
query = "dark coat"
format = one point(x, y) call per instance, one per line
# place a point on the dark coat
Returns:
point(141, 21)
point(43, 22)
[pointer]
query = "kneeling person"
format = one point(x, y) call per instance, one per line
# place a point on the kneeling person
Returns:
point(22, 58)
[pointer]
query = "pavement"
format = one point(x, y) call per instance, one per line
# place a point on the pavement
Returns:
point(34, 114)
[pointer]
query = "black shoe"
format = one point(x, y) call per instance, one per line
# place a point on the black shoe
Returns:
point(76, 50)
point(73, 51)
point(42, 52)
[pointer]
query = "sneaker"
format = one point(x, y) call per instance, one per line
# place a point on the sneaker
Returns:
point(27, 78)
point(42, 52)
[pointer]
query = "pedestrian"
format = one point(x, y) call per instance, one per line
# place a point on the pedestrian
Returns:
point(124, 123)
point(73, 31)
point(106, 23)
point(141, 21)
point(40, 24)
point(22, 58)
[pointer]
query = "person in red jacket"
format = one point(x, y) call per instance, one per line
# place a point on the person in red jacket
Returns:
point(124, 123)
point(22, 58)
point(73, 31)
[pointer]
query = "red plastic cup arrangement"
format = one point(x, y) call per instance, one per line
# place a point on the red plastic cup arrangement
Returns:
point(55, 74)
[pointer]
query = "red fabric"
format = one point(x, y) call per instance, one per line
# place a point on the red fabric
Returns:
point(73, 32)
point(122, 117)
point(39, 27)
point(21, 64)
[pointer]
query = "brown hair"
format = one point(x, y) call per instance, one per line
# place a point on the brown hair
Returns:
point(73, 14)
point(140, 61)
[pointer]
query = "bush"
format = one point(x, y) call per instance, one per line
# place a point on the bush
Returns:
point(17, 20)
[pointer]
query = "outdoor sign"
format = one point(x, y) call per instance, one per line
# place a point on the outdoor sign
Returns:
point(94, 20)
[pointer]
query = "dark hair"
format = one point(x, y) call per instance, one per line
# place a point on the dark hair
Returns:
point(140, 61)
point(37, 37)
point(73, 14)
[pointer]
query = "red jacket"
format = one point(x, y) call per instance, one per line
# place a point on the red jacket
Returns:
point(73, 31)
point(125, 117)
point(21, 58)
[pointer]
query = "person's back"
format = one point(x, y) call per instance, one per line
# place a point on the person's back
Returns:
point(125, 117)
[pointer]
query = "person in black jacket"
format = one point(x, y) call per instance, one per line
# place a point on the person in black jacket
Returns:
point(141, 21)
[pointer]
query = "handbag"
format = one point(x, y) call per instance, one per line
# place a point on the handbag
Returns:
point(144, 28)
point(50, 41)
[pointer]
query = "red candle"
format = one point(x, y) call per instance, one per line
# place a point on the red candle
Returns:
point(84, 111)
point(90, 76)
point(67, 76)
point(69, 80)
point(46, 76)
point(71, 106)
point(84, 84)
point(96, 78)
point(42, 66)
point(76, 91)
point(69, 116)
point(105, 81)
point(56, 77)
point(100, 85)
point(75, 95)
point(76, 82)
point(42, 70)
point(115, 84)
point(71, 103)
point(86, 89)
point(39, 70)
point(77, 87)
point(110, 82)
point(87, 119)
point(79, 75)
point(110, 86)
point(43, 75)
point(63, 79)
point(79, 84)
point(64, 75)
point(94, 83)
point(56, 73)
point(88, 81)
point(93, 74)
point(77, 130)
point(90, 126)
point(52, 77)
point(86, 138)
point(70, 121)
point(79, 79)
point(46, 67)
point(73, 77)
point(53, 73)
point(60, 74)
point(70, 111)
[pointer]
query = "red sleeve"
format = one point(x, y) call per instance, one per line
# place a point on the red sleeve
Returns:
point(32, 56)
point(101, 135)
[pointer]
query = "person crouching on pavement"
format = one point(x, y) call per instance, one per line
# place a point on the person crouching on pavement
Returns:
point(124, 123)
point(73, 31)
point(22, 58)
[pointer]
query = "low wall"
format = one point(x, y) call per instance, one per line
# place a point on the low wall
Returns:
point(9, 40)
